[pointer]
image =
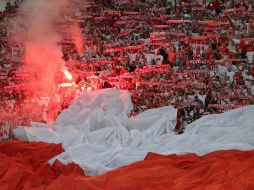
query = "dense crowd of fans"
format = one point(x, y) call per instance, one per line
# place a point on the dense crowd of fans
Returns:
point(197, 56)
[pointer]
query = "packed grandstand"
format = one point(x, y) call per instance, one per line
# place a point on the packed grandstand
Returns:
point(162, 76)
point(196, 57)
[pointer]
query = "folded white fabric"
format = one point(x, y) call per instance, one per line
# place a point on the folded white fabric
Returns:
point(97, 134)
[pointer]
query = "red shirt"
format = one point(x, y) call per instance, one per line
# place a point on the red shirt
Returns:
point(244, 48)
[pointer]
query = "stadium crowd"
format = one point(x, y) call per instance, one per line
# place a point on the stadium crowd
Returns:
point(197, 56)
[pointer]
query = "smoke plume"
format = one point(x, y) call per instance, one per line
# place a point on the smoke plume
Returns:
point(43, 54)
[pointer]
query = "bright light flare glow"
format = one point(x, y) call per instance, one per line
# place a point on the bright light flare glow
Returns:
point(67, 75)
point(89, 89)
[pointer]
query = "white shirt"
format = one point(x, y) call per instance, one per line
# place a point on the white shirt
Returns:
point(191, 97)
point(250, 56)
point(231, 48)
point(230, 75)
point(132, 57)
point(222, 70)
point(252, 90)
point(149, 58)
point(159, 59)
point(202, 98)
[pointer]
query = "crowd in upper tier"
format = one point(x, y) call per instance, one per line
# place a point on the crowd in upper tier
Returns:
point(193, 55)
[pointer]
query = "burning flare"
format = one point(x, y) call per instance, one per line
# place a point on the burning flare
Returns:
point(67, 75)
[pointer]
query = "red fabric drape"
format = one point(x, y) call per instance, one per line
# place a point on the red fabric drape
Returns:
point(24, 166)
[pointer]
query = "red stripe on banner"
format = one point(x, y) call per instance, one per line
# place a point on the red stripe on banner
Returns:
point(24, 166)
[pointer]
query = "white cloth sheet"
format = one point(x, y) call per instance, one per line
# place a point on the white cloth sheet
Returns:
point(97, 134)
